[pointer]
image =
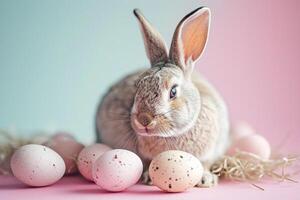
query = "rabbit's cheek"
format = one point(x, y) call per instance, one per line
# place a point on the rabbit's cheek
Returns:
point(163, 121)
point(177, 103)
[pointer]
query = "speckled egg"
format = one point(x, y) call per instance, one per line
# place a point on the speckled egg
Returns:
point(117, 170)
point(175, 171)
point(68, 148)
point(254, 143)
point(88, 156)
point(37, 165)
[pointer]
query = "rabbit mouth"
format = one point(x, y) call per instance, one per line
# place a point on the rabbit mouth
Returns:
point(146, 132)
point(155, 128)
point(142, 130)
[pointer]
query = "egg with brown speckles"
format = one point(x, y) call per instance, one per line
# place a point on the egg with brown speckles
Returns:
point(117, 170)
point(37, 165)
point(175, 171)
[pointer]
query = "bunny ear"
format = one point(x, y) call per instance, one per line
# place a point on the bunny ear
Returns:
point(154, 44)
point(190, 38)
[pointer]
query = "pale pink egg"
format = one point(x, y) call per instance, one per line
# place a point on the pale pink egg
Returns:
point(87, 157)
point(68, 148)
point(37, 165)
point(254, 143)
point(117, 170)
point(60, 135)
point(241, 129)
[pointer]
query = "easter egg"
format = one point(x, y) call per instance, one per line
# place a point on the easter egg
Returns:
point(175, 171)
point(255, 144)
point(37, 165)
point(117, 170)
point(241, 129)
point(62, 136)
point(87, 157)
point(68, 148)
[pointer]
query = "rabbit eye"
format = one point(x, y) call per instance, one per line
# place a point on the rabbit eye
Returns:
point(173, 92)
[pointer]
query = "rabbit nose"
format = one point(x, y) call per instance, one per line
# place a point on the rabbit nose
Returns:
point(144, 119)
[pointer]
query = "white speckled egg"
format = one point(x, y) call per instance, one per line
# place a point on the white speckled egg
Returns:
point(255, 144)
point(175, 171)
point(117, 170)
point(68, 148)
point(88, 156)
point(37, 165)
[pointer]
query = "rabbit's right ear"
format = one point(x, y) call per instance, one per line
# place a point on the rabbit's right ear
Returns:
point(190, 39)
point(155, 46)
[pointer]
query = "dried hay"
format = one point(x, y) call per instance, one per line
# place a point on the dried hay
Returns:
point(248, 167)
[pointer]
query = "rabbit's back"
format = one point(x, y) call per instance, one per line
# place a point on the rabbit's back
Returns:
point(113, 114)
point(214, 105)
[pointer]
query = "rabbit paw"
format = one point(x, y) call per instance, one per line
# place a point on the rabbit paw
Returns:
point(208, 180)
point(146, 178)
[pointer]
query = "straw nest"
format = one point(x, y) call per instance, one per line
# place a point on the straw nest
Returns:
point(9, 142)
point(248, 167)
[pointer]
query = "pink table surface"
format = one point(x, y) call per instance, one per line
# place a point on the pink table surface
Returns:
point(77, 188)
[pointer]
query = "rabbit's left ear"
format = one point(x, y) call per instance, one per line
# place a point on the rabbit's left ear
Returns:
point(190, 38)
point(155, 46)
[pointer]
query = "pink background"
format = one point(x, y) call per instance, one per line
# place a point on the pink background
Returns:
point(76, 188)
point(253, 58)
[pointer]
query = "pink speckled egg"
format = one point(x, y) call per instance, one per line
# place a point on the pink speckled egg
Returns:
point(68, 148)
point(87, 157)
point(255, 144)
point(117, 170)
point(37, 165)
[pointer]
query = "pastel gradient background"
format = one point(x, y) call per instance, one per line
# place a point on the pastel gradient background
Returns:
point(58, 57)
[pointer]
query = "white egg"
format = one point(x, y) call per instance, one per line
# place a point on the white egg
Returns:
point(241, 129)
point(117, 170)
point(68, 148)
point(175, 171)
point(37, 165)
point(88, 156)
point(254, 143)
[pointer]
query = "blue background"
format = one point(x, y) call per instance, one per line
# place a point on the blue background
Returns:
point(58, 57)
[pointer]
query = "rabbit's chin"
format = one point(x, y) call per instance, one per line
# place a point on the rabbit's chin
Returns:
point(144, 133)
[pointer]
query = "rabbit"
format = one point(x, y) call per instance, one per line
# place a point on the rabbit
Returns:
point(168, 106)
